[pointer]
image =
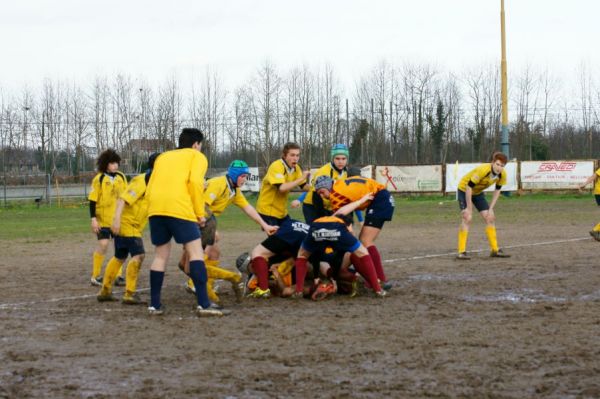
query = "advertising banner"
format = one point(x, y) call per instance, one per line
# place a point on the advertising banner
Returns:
point(423, 178)
point(253, 182)
point(555, 174)
point(455, 172)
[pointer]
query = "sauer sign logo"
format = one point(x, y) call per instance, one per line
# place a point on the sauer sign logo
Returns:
point(557, 166)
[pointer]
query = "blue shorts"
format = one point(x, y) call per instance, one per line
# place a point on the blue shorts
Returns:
point(597, 199)
point(104, 233)
point(478, 200)
point(128, 246)
point(163, 228)
point(330, 234)
point(380, 210)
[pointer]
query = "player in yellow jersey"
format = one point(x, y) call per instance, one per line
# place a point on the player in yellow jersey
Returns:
point(219, 193)
point(378, 210)
point(131, 216)
point(312, 204)
point(595, 178)
point(176, 209)
point(282, 176)
point(107, 186)
point(470, 193)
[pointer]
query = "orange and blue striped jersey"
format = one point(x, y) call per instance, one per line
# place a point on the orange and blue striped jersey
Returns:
point(352, 189)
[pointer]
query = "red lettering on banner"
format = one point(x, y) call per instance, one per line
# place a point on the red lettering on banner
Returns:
point(559, 167)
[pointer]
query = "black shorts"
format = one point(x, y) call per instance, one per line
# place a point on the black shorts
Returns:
point(597, 199)
point(280, 248)
point(478, 200)
point(163, 228)
point(128, 246)
point(104, 233)
point(209, 231)
point(272, 220)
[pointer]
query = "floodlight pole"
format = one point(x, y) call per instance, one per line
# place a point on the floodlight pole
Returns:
point(504, 79)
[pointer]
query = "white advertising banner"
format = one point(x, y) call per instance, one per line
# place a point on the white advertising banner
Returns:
point(455, 172)
point(424, 178)
point(253, 182)
point(555, 174)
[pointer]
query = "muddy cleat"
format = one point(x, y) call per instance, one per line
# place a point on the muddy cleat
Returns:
point(152, 311)
point(355, 289)
point(258, 293)
point(386, 285)
point(322, 291)
point(463, 256)
point(190, 288)
point(297, 295)
point(595, 235)
point(380, 294)
point(238, 290)
point(132, 300)
point(96, 282)
point(213, 310)
point(499, 254)
point(106, 297)
point(120, 282)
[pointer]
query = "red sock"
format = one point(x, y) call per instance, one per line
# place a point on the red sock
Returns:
point(376, 257)
point(260, 267)
point(366, 269)
point(300, 273)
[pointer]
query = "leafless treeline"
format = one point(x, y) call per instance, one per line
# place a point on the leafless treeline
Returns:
point(395, 114)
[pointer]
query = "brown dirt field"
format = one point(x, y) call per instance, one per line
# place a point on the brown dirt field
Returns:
point(527, 326)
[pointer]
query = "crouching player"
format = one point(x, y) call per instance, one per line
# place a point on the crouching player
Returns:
point(333, 232)
point(470, 192)
point(361, 193)
point(280, 246)
point(131, 216)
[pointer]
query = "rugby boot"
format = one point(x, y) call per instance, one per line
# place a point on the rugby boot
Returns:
point(132, 299)
point(152, 311)
point(213, 310)
point(463, 256)
point(258, 293)
point(499, 254)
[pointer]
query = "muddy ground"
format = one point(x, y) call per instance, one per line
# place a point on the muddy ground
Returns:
point(528, 326)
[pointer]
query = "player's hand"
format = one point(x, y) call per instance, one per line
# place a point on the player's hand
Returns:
point(467, 214)
point(367, 197)
point(116, 227)
point(305, 175)
point(202, 221)
point(491, 216)
point(270, 230)
point(95, 226)
point(295, 204)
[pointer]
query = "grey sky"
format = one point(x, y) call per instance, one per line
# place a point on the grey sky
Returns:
point(75, 39)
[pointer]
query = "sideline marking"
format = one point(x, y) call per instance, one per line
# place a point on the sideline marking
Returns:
point(13, 306)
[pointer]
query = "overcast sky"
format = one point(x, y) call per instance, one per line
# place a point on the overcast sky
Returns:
point(79, 39)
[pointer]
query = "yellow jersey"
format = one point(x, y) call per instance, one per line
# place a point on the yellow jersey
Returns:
point(345, 191)
point(597, 183)
point(482, 177)
point(325, 170)
point(105, 191)
point(271, 201)
point(176, 186)
point(218, 194)
point(135, 212)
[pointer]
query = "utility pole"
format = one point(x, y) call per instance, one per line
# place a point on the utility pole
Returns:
point(504, 78)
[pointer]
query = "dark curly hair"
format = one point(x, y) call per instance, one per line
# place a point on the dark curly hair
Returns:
point(106, 157)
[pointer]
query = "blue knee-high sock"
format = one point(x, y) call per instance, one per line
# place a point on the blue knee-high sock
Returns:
point(199, 277)
point(156, 282)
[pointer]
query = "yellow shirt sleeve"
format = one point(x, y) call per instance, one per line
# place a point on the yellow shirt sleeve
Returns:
point(239, 199)
point(96, 190)
point(503, 179)
point(276, 173)
point(196, 183)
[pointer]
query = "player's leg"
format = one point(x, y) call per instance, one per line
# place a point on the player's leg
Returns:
point(463, 229)
point(368, 235)
point(133, 270)
point(112, 268)
point(99, 255)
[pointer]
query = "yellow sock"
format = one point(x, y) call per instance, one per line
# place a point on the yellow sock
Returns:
point(210, 288)
point(597, 227)
point(490, 231)
point(131, 276)
point(97, 264)
point(462, 240)
point(110, 274)
point(190, 284)
point(120, 273)
point(215, 272)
